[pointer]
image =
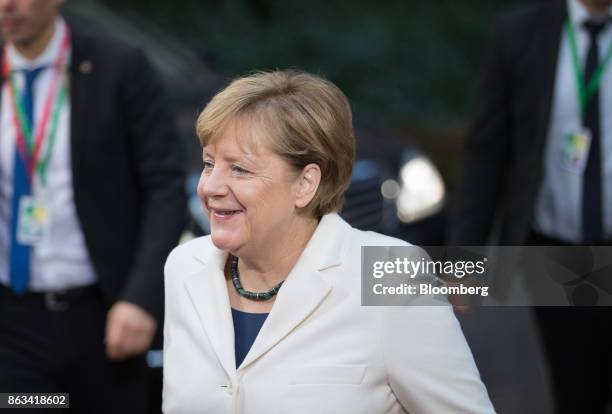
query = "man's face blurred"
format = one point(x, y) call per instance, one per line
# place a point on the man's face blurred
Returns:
point(599, 3)
point(23, 21)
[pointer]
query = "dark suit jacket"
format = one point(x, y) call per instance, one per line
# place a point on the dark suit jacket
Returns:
point(127, 176)
point(504, 148)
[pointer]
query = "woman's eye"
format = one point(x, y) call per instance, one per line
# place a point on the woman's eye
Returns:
point(239, 170)
point(208, 165)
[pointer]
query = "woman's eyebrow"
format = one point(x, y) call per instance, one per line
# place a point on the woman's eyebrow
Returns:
point(248, 158)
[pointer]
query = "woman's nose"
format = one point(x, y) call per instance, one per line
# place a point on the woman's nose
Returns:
point(212, 183)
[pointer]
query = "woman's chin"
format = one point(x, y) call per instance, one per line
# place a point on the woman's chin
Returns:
point(223, 241)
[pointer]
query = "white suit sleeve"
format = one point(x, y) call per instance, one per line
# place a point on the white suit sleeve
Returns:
point(429, 364)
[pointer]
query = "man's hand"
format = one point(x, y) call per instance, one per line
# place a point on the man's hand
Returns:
point(129, 331)
point(460, 304)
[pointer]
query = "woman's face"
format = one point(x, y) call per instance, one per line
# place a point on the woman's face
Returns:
point(248, 192)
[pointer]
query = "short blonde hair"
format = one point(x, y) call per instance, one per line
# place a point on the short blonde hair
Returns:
point(306, 119)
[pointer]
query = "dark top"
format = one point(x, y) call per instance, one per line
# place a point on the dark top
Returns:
point(246, 328)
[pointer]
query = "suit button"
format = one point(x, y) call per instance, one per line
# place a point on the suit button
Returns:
point(228, 388)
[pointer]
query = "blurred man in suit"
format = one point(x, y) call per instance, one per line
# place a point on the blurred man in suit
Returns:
point(91, 203)
point(538, 164)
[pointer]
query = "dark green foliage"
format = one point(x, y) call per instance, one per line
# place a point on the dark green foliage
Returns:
point(398, 61)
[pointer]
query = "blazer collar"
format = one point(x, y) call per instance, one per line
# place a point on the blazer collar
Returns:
point(83, 80)
point(548, 43)
point(303, 291)
point(543, 68)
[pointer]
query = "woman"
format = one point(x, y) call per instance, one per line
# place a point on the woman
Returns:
point(264, 315)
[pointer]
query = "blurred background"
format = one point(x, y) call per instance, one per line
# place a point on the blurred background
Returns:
point(410, 70)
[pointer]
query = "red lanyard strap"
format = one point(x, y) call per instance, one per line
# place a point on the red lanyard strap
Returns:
point(28, 148)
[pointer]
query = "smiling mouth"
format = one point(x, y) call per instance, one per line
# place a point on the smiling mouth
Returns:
point(225, 213)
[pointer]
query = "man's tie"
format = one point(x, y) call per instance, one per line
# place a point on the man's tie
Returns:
point(592, 215)
point(20, 254)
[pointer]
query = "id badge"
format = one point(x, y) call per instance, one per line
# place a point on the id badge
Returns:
point(32, 220)
point(575, 151)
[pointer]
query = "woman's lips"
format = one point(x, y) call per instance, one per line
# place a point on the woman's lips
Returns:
point(224, 214)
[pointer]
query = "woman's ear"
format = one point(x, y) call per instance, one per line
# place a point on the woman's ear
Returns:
point(307, 185)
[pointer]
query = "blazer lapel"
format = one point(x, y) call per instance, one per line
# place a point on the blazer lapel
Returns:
point(551, 37)
point(544, 68)
point(305, 287)
point(208, 293)
point(82, 107)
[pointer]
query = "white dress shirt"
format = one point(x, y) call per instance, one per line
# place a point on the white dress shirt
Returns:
point(60, 260)
point(558, 212)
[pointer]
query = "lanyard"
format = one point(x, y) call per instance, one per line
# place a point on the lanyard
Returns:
point(28, 145)
point(585, 92)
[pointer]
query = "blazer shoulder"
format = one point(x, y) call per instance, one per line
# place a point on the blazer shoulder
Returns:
point(515, 32)
point(360, 238)
point(184, 256)
point(515, 20)
point(371, 238)
point(97, 44)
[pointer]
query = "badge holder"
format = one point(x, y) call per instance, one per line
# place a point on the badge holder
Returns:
point(575, 151)
point(32, 220)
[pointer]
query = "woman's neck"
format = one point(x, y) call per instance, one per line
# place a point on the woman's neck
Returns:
point(273, 260)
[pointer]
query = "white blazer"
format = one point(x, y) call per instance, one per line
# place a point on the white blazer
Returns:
point(319, 351)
